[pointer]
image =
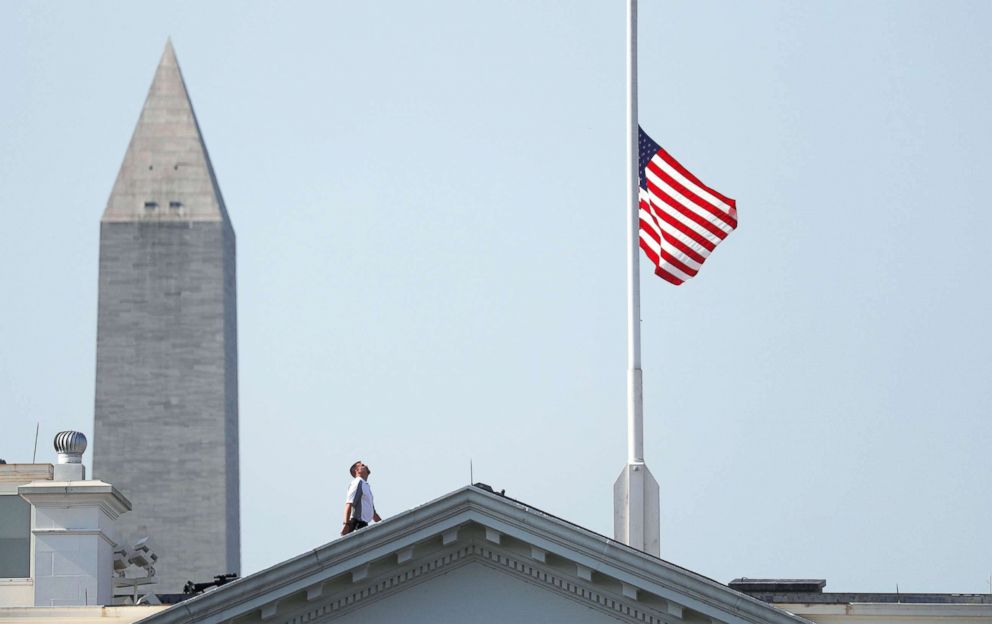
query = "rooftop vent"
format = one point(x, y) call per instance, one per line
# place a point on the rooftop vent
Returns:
point(70, 446)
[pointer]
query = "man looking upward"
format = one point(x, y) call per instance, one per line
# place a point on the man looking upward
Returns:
point(359, 507)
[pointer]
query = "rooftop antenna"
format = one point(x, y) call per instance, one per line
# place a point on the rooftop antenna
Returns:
point(35, 454)
point(471, 475)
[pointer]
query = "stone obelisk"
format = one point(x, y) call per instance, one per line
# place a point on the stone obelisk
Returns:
point(166, 418)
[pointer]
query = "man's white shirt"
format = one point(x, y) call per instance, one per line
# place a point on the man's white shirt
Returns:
point(363, 507)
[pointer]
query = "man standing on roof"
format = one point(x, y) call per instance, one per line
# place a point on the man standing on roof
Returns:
point(359, 507)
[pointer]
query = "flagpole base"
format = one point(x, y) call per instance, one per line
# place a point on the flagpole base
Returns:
point(637, 509)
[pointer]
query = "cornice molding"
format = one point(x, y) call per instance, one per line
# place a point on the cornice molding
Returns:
point(61, 494)
point(70, 532)
point(571, 587)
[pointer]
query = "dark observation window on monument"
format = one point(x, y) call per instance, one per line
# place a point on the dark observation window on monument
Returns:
point(175, 205)
point(15, 537)
point(151, 205)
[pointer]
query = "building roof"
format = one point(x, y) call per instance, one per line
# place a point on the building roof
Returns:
point(810, 591)
point(474, 525)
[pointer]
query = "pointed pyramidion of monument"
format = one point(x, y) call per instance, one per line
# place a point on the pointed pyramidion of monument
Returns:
point(166, 411)
point(166, 174)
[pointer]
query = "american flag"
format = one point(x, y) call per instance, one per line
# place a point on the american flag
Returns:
point(682, 219)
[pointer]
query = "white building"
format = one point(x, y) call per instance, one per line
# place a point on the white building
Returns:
point(472, 556)
point(58, 541)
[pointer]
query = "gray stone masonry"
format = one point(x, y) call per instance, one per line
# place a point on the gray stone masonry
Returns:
point(166, 413)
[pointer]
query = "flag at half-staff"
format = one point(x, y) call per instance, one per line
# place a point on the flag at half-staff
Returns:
point(681, 219)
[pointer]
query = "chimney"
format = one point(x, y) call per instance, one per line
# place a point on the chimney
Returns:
point(73, 528)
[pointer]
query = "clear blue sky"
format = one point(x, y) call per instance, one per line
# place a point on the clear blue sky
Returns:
point(428, 199)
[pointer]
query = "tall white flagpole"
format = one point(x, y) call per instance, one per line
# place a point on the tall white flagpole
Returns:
point(635, 399)
point(636, 506)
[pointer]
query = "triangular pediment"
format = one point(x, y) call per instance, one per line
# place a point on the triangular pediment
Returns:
point(474, 556)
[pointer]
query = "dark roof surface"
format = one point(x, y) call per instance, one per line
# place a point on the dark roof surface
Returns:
point(810, 591)
point(854, 598)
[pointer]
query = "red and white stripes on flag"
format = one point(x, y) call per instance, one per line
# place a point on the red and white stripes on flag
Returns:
point(682, 219)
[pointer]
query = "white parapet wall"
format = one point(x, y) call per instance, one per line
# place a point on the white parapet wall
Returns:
point(16, 548)
point(78, 615)
point(72, 523)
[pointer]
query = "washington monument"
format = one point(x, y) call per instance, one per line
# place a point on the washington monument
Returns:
point(166, 414)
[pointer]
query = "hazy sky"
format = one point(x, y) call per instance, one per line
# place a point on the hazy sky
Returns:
point(429, 205)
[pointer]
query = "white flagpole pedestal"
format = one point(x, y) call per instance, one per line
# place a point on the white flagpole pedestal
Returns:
point(636, 506)
point(636, 509)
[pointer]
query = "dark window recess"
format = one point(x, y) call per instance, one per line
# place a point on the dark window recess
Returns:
point(15, 537)
point(151, 205)
point(175, 205)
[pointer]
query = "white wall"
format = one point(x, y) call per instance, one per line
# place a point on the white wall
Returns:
point(475, 594)
point(16, 592)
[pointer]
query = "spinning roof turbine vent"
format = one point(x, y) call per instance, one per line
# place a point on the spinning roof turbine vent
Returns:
point(70, 446)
